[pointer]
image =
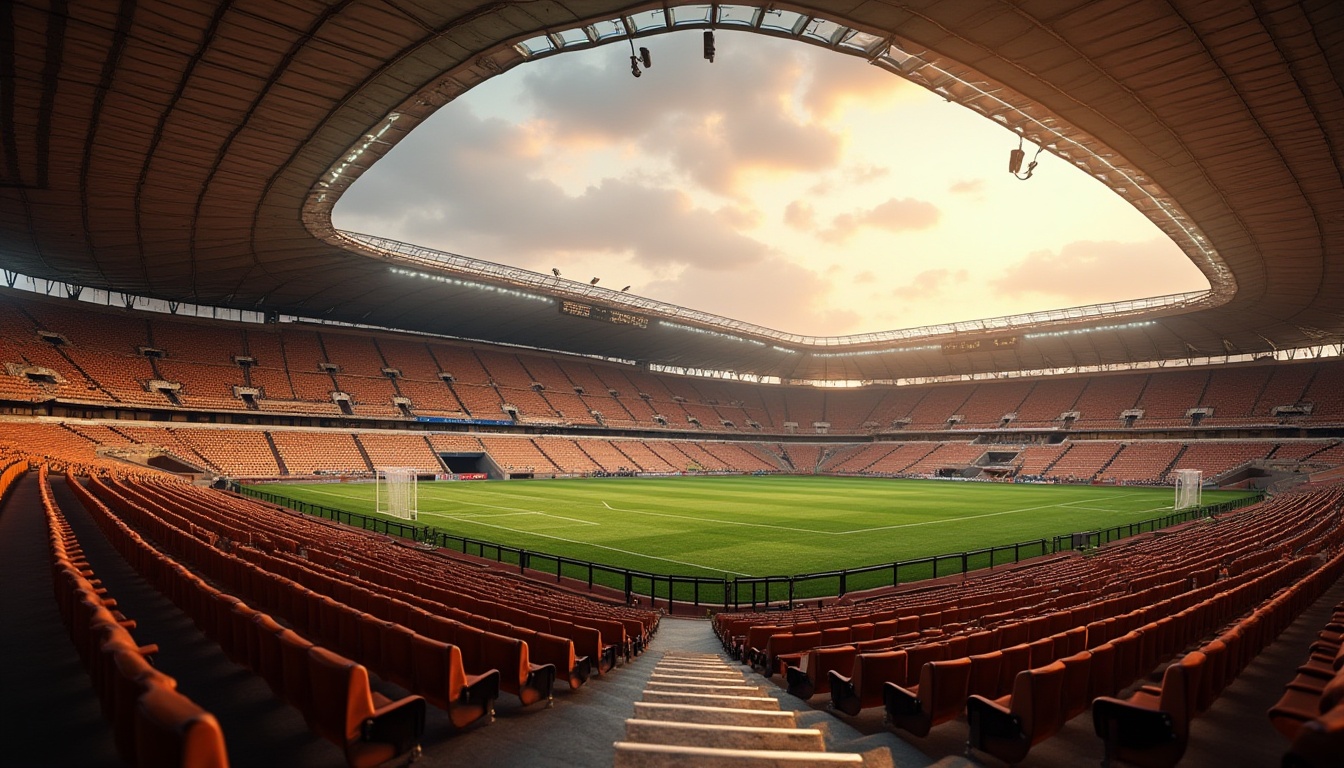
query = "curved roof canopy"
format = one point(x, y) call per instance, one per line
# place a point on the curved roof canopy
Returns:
point(192, 151)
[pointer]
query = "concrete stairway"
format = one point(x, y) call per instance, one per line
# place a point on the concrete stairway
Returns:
point(698, 710)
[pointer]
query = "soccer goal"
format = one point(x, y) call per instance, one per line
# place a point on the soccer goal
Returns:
point(1189, 488)
point(395, 492)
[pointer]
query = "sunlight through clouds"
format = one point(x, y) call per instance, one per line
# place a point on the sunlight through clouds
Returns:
point(783, 185)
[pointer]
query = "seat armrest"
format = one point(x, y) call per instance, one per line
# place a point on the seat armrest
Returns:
point(399, 723)
point(990, 720)
point(899, 701)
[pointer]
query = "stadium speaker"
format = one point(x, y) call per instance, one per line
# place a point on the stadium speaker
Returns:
point(645, 57)
point(1015, 159)
point(634, 66)
point(709, 45)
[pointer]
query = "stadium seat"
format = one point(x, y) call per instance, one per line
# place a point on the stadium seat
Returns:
point(172, 731)
point(1008, 727)
point(1150, 728)
point(863, 688)
point(438, 670)
point(1319, 742)
point(813, 676)
point(940, 696)
point(369, 728)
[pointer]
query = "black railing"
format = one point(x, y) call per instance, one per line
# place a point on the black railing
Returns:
point(1092, 539)
point(732, 593)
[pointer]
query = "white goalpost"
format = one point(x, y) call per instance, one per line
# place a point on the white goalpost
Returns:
point(1189, 488)
point(395, 492)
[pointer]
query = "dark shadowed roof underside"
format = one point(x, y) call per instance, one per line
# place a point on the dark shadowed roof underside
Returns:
point(191, 151)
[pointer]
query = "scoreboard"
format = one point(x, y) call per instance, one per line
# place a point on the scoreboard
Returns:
point(996, 344)
point(603, 314)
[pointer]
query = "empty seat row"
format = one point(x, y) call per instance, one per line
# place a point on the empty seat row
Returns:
point(153, 724)
point(331, 691)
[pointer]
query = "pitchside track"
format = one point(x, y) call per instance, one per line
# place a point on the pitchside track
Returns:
point(756, 526)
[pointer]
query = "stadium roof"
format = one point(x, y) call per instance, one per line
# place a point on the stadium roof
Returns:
point(192, 151)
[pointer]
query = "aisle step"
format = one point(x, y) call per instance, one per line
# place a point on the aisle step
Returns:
point(699, 709)
point(631, 755)
point(724, 736)
point(690, 713)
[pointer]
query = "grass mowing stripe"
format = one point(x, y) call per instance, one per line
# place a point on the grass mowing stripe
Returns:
point(601, 546)
point(760, 525)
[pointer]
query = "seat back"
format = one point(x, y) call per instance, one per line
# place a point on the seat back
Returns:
point(269, 664)
point(1013, 633)
point(943, 687)
point(1180, 687)
point(340, 697)
point(1214, 676)
point(294, 670)
point(840, 659)
point(956, 647)
point(1015, 659)
point(172, 731)
point(1036, 700)
point(1102, 675)
point(430, 661)
point(1126, 659)
point(981, 642)
point(397, 665)
point(836, 636)
point(370, 629)
point(1076, 641)
point(509, 656)
point(918, 656)
point(1077, 685)
point(984, 674)
point(871, 670)
point(1042, 652)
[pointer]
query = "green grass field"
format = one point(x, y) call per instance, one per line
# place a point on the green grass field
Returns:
point(757, 526)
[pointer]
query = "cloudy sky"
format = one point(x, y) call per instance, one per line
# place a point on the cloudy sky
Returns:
point(784, 185)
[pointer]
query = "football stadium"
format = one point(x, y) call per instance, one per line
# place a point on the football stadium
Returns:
point(815, 488)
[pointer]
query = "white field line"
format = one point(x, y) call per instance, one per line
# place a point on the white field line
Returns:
point(844, 533)
point(604, 546)
point(520, 510)
point(710, 521)
point(512, 510)
point(473, 515)
point(1072, 505)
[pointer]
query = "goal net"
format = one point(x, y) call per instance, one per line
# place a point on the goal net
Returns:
point(395, 492)
point(1189, 488)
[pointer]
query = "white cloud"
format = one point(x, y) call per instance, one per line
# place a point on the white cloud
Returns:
point(891, 215)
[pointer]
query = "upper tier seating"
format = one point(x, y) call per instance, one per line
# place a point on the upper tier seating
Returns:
point(297, 369)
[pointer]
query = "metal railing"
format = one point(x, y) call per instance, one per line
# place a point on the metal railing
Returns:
point(735, 593)
point(409, 254)
point(1091, 539)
